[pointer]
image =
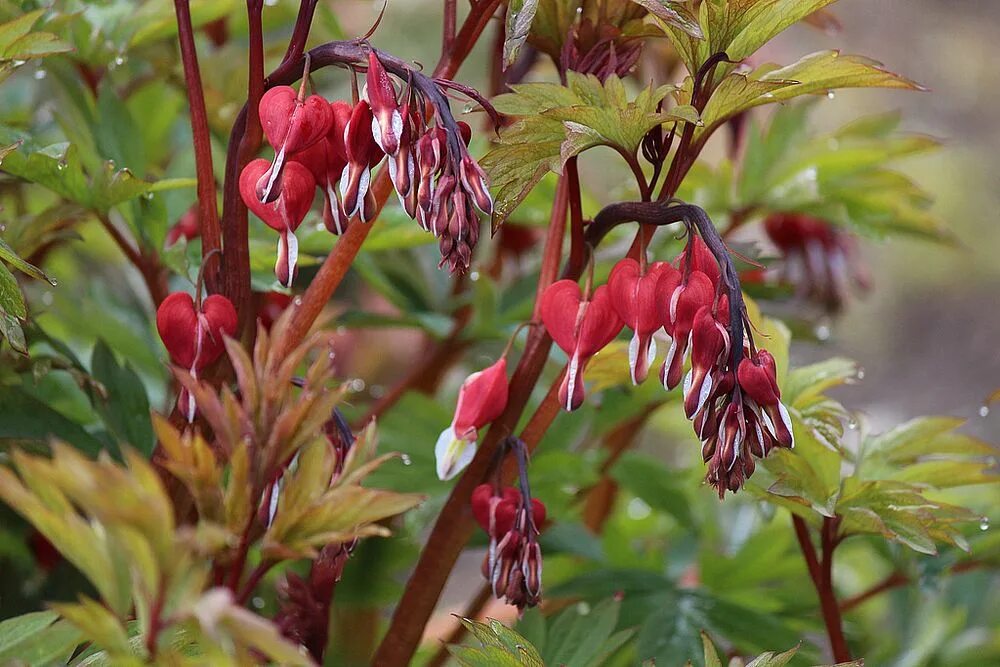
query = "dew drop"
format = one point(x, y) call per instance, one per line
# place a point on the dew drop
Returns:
point(637, 509)
point(830, 94)
point(474, 276)
point(984, 411)
point(861, 374)
point(257, 602)
point(148, 196)
point(582, 608)
point(297, 301)
point(822, 331)
point(40, 74)
point(579, 10)
point(407, 461)
point(53, 282)
point(984, 523)
point(468, 108)
point(119, 60)
point(357, 384)
point(61, 165)
point(768, 96)
point(852, 424)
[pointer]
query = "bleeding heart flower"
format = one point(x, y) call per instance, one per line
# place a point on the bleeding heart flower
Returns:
point(757, 376)
point(326, 160)
point(677, 309)
point(634, 296)
point(387, 121)
point(482, 398)
point(186, 227)
point(709, 344)
point(474, 182)
point(291, 124)
point(362, 154)
point(284, 214)
point(581, 327)
point(702, 260)
point(193, 337)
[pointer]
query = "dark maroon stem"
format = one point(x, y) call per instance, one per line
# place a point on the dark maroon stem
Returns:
point(821, 572)
point(208, 214)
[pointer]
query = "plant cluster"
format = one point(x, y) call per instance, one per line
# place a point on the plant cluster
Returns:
point(214, 494)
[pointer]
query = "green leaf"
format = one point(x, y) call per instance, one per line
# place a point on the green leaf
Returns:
point(500, 646)
point(38, 638)
point(520, 15)
point(124, 407)
point(830, 70)
point(27, 418)
point(711, 654)
point(650, 481)
point(8, 255)
point(10, 328)
point(772, 659)
point(807, 382)
point(558, 122)
point(11, 300)
point(675, 14)
point(575, 636)
point(59, 168)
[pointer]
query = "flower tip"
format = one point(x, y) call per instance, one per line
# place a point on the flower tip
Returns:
point(453, 454)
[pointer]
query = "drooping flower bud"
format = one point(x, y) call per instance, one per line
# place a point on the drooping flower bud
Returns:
point(709, 345)
point(677, 311)
point(701, 259)
point(633, 296)
point(581, 328)
point(482, 398)
point(757, 376)
point(363, 153)
point(474, 182)
point(386, 121)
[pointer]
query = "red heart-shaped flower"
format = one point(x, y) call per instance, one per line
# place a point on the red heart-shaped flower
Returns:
point(194, 339)
point(295, 194)
point(291, 124)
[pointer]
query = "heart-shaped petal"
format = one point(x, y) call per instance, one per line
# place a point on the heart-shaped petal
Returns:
point(560, 309)
point(295, 194)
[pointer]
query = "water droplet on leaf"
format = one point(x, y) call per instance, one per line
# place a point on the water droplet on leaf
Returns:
point(405, 458)
point(984, 524)
point(822, 331)
point(984, 411)
point(830, 94)
point(40, 74)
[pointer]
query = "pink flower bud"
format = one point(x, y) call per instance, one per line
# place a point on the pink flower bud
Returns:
point(709, 345)
point(677, 315)
point(482, 398)
point(474, 182)
point(386, 121)
point(702, 260)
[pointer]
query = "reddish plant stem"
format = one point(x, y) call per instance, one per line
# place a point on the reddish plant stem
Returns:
point(454, 524)
point(154, 275)
point(448, 32)
point(256, 575)
point(577, 245)
point(821, 572)
point(208, 214)
point(898, 580)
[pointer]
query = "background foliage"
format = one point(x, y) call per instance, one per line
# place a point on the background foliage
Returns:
point(94, 138)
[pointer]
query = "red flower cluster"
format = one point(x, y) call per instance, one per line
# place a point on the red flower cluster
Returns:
point(193, 334)
point(335, 145)
point(820, 260)
point(731, 394)
point(513, 564)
